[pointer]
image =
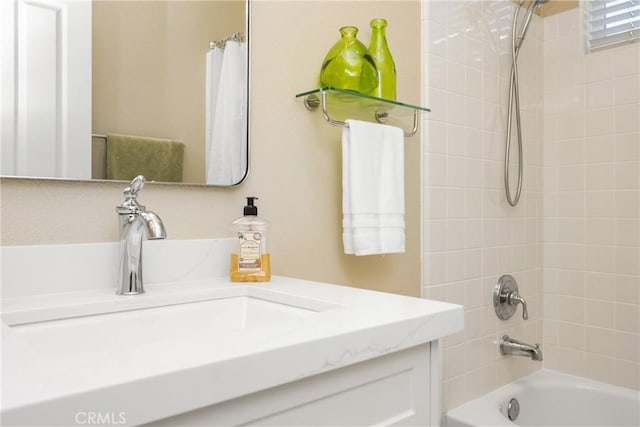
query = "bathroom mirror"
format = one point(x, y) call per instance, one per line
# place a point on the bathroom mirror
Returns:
point(148, 72)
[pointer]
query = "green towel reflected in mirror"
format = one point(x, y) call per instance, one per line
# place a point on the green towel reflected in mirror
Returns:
point(157, 159)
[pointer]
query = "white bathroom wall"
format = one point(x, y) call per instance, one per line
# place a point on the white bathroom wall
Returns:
point(470, 235)
point(591, 205)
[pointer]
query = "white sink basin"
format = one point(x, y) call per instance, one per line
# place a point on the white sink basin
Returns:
point(213, 318)
point(156, 317)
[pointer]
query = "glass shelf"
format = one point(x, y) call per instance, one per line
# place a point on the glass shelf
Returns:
point(344, 104)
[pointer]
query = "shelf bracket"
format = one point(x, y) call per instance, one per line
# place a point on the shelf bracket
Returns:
point(312, 102)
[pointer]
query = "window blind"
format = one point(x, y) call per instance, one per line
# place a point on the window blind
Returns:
point(611, 22)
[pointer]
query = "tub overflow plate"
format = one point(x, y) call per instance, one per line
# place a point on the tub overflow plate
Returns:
point(513, 409)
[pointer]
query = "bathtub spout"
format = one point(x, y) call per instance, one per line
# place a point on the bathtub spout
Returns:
point(509, 346)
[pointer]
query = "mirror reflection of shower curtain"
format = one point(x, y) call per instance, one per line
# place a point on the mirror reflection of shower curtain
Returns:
point(226, 118)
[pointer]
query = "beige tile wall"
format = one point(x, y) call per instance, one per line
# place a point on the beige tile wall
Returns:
point(573, 242)
point(591, 206)
point(470, 235)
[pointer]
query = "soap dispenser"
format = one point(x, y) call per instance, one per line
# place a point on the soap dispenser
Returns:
point(250, 259)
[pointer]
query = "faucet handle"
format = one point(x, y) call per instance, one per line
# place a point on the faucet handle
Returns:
point(134, 188)
point(514, 298)
point(506, 298)
point(130, 204)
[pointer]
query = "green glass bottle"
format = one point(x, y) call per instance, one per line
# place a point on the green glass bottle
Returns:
point(348, 64)
point(381, 54)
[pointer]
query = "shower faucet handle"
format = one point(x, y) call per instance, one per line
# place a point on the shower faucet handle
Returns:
point(514, 299)
point(506, 298)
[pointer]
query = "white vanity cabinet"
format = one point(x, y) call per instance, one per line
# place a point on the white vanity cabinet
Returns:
point(401, 388)
point(199, 350)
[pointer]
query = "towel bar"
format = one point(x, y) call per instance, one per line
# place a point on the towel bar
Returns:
point(312, 102)
point(99, 136)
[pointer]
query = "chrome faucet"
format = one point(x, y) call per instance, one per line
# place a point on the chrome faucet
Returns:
point(506, 298)
point(134, 220)
point(509, 346)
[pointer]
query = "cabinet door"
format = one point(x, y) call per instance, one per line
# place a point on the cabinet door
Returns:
point(389, 390)
point(46, 88)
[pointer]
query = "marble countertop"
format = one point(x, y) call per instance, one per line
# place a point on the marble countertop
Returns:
point(53, 364)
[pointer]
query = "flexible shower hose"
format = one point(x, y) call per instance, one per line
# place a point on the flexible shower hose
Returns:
point(514, 101)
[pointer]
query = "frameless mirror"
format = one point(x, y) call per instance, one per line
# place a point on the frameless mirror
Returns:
point(113, 89)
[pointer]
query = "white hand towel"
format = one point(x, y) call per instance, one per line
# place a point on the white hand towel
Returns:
point(372, 188)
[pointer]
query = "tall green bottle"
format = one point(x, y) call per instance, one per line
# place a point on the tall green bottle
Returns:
point(381, 55)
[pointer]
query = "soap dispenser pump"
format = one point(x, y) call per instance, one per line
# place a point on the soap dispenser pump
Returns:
point(250, 261)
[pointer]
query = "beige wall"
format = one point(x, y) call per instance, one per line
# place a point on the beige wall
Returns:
point(148, 69)
point(295, 160)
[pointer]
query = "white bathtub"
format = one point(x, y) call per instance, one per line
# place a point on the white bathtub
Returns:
point(549, 398)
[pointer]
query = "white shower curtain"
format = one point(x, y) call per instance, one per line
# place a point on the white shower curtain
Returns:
point(226, 109)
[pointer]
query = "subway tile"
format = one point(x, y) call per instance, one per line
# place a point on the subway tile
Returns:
point(627, 204)
point(599, 368)
point(571, 283)
point(474, 113)
point(599, 259)
point(627, 346)
point(456, 140)
point(627, 317)
point(436, 141)
point(599, 341)
point(627, 374)
point(599, 204)
point(627, 89)
point(601, 122)
point(456, 234)
point(456, 203)
point(571, 230)
point(571, 309)
point(627, 175)
point(626, 260)
point(571, 335)
point(627, 146)
point(571, 178)
point(599, 66)
point(599, 149)
point(456, 77)
point(456, 171)
point(572, 361)
point(473, 324)
point(627, 289)
point(437, 71)
point(455, 361)
point(436, 169)
point(599, 286)
point(437, 101)
point(626, 118)
point(435, 235)
point(474, 263)
point(600, 94)
point(599, 177)
point(599, 231)
point(435, 203)
point(599, 313)
point(627, 232)
point(572, 124)
point(435, 268)
point(627, 60)
point(456, 266)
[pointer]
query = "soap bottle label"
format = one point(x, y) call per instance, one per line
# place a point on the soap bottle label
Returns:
point(250, 250)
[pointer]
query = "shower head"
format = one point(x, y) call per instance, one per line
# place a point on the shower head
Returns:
point(527, 20)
